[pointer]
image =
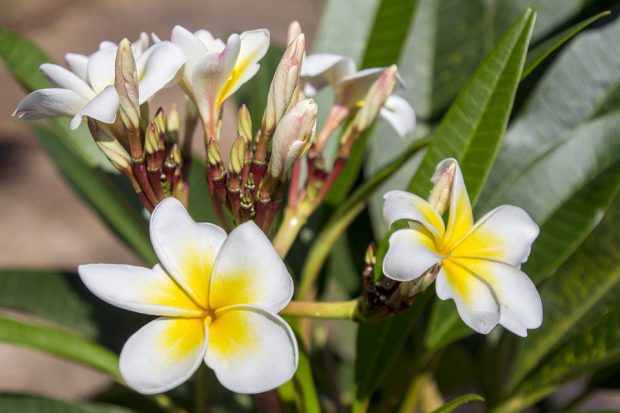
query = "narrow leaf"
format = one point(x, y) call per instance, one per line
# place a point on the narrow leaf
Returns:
point(13, 403)
point(459, 401)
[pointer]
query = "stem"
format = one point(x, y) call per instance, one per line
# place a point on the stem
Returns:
point(342, 310)
point(337, 115)
point(292, 222)
point(200, 396)
point(166, 404)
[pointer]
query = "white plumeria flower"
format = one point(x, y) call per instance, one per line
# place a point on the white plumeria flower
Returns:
point(214, 70)
point(350, 87)
point(480, 264)
point(87, 88)
point(217, 298)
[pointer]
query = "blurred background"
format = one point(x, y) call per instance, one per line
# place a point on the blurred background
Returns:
point(42, 222)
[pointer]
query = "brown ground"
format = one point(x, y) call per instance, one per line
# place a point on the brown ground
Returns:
point(42, 223)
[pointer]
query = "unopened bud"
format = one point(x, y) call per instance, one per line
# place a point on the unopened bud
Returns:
point(175, 154)
point(151, 140)
point(442, 178)
point(284, 83)
point(126, 84)
point(378, 93)
point(292, 137)
point(173, 123)
point(237, 155)
point(213, 154)
point(294, 29)
point(244, 124)
point(110, 146)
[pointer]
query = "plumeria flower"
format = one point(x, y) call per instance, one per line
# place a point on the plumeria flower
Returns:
point(480, 263)
point(87, 87)
point(216, 298)
point(214, 70)
point(350, 87)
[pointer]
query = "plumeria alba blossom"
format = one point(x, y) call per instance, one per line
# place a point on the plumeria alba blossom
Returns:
point(87, 87)
point(214, 70)
point(350, 87)
point(216, 297)
point(479, 263)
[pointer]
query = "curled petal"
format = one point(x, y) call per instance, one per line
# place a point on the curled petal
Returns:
point(212, 44)
point(192, 48)
point(66, 79)
point(248, 270)
point(410, 254)
point(186, 249)
point(404, 205)
point(460, 218)
point(253, 46)
point(102, 107)
point(138, 289)
point(47, 103)
point(78, 64)
point(251, 350)
point(163, 354)
point(505, 234)
point(352, 89)
point(399, 113)
point(157, 68)
point(101, 68)
point(474, 300)
point(322, 69)
point(519, 301)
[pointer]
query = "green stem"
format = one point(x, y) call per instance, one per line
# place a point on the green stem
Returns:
point(342, 218)
point(200, 394)
point(166, 404)
point(344, 310)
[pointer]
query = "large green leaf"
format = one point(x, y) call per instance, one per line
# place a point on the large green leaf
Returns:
point(13, 403)
point(472, 129)
point(101, 194)
point(584, 288)
point(60, 343)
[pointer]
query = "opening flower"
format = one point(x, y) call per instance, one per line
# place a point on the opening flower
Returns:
point(479, 262)
point(217, 298)
point(350, 87)
point(87, 87)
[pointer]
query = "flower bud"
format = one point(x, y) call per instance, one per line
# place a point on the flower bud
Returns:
point(284, 83)
point(244, 124)
point(151, 140)
point(378, 93)
point(126, 84)
point(292, 137)
point(237, 155)
point(294, 29)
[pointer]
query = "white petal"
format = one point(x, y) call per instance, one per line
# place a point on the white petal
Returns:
point(404, 205)
point(253, 46)
point(212, 44)
point(322, 69)
point(107, 44)
point(141, 45)
point(78, 64)
point(211, 73)
point(102, 107)
point(47, 103)
point(158, 67)
point(505, 234)
point(163, 354)
point(186, 249)
point(460, 218)
point(138, 289)
point(520, 303)
point(66, 79)
point(248, 270)
point(251, 350)
point(192, 48)
point(410, 254)
point(474, 300)
point(399, 113)
point(101, 67)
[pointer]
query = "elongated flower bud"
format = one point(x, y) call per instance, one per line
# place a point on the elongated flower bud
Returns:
point(378, 93)
point(294, 29)
point(244, 124)
point(284, 83)
point(126, 84)
point(237, 155)
point(292, 137)
point(440, 194)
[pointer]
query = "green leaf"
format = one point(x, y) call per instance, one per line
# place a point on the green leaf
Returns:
point(459, 401)
point(378, 345)
point(13, 403)
point(59, 343)
point(101, 194)
point(472, 129)
point(23, 59)
point(53, 296)
point(583, 290)
point(542, 51)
